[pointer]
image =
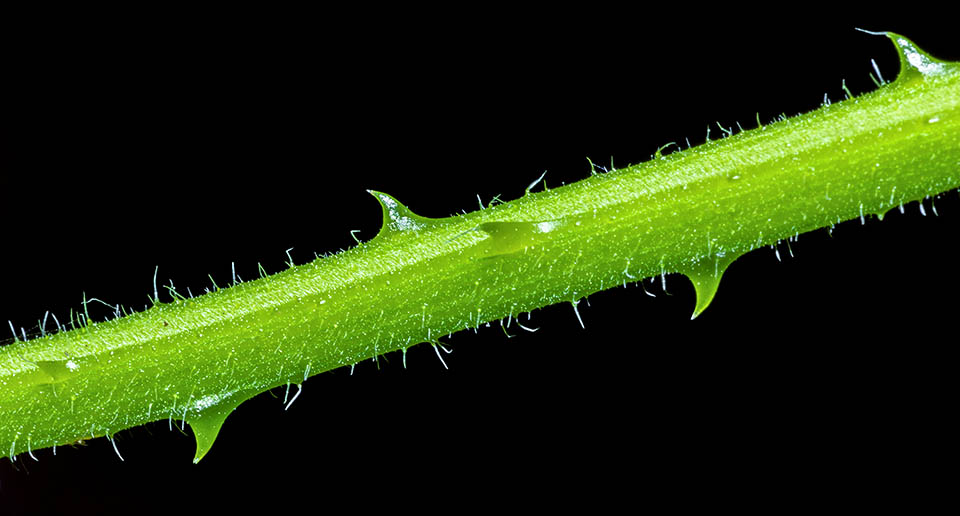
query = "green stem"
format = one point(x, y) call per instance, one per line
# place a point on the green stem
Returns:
point(693, 212)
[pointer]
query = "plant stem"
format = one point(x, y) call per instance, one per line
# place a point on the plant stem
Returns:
point(691, 212)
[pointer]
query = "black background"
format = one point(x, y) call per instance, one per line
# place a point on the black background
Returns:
point(189, 145)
